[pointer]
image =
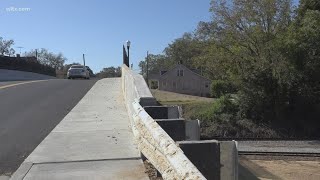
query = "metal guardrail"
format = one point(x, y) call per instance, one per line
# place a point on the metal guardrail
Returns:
point(152, 140)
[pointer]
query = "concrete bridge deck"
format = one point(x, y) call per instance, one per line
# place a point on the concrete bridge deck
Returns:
point(93, 141)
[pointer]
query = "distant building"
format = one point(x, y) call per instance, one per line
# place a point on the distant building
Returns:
point(182, 80)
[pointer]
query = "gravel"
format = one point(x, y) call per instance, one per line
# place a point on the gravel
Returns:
point(280, 146)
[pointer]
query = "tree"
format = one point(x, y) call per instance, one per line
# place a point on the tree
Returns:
point(247, 29)
point(90, 71)
point(109, 72)
point(301, 45)
point(245, 39)
point(273, 55)
point(268, 50)
point(156, 63)
point(182, 50)
point(213, 62)
point(49, 58)
point(306, 5)
point(5, 47)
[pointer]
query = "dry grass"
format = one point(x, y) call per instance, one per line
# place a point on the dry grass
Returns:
point(171, 98)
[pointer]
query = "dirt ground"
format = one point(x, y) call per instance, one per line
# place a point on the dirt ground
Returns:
point(278, 169)
point(151, 171)
point(267, 169)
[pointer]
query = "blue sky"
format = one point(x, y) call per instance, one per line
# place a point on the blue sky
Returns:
point(98, 28)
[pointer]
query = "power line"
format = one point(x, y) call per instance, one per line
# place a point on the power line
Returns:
point(20, 47)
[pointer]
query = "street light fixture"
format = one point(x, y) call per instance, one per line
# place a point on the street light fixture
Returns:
point(128, 47)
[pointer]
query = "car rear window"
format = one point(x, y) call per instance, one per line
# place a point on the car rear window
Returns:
point(76, 66)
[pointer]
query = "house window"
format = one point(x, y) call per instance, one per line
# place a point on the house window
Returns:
point(180, 72)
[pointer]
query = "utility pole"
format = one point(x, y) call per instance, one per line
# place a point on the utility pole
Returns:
point(142, 70)
point(84, 60)
point(147, 78)
point(37, 54)
point(20, 47)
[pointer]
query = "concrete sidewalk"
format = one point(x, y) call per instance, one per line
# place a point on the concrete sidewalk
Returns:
point(93, 141)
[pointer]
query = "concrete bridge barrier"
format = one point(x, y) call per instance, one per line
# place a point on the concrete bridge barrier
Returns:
point(171, 143)
point(151, 139)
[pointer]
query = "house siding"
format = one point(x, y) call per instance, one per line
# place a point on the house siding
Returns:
point(190, 83)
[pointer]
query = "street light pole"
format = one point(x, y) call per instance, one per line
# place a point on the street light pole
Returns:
point(147, 79)
point(128, 48)
point(84, 60)
point(37, 54)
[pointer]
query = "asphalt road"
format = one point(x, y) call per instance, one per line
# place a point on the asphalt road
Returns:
point(28, 113)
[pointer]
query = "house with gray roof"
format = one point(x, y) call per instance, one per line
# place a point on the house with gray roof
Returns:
point(181, 79)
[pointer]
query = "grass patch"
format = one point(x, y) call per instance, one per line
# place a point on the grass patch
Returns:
point(170, 98)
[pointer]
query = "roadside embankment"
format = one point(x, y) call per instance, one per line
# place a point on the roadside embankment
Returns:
point(13, 75)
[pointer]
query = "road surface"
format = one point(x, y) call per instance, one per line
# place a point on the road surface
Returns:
point(28, 112)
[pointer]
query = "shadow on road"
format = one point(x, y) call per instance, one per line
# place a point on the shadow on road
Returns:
point(249, 170)
point(246, 174)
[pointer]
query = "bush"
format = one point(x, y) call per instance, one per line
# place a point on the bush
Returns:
point(223, 105)
point(220, 119)
point(220, 88)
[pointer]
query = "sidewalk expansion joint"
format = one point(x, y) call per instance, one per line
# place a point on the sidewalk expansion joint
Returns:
point(90, 160)
point(60, 131)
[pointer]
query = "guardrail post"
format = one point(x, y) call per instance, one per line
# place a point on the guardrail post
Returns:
point(168, 118)
point(163, 112)
point(229, 160)
point(175, 128)
point(148, 102)
point(214, 159)
point(205, 155)
point(192, 130)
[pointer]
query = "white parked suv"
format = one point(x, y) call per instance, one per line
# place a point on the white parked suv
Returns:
point(78, 71)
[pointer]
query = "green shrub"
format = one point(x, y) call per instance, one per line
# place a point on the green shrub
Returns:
point(220, 88)
point(220, 119)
